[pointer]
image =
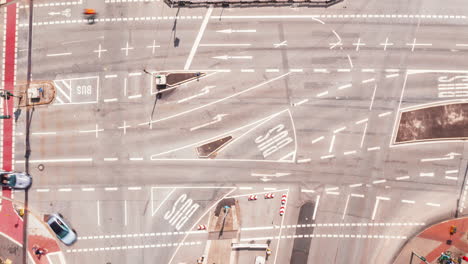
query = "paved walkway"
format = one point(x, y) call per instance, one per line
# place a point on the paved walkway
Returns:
point(11, 224)
point(431, 242)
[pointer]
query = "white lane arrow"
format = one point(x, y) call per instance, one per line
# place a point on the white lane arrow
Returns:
point(225, 57)
point(264, 175)
point(204, 91)
point(66, 12)
point(448, 156)
point(229, 31)
point(216, 119)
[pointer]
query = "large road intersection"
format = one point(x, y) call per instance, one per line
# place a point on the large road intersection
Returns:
point(327, 84)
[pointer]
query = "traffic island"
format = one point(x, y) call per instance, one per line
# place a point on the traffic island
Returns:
point(439, 122)
point(447, 238)
point(223, 231)
point(250, 3)
point(209, 149)
point(38, 93)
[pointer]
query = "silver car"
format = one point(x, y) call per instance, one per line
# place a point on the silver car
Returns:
point(15, 180)
point(63, 231)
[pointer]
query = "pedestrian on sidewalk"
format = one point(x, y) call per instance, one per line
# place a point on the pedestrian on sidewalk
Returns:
point(39, 252)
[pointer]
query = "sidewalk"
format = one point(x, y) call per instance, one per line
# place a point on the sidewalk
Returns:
point(431, 242)
point(11, 224)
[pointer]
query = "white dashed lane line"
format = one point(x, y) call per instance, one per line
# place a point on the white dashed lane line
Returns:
point(80, 250)
point(326, 236)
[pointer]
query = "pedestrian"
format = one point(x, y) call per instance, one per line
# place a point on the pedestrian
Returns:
point(39, 252)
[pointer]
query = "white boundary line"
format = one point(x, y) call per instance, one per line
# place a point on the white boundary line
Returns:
point(199, 37)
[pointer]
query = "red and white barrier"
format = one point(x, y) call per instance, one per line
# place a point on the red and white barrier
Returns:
point(283, 199)
point(252, 197)
point(201, 227)
point(269, 195)
point(282, 210)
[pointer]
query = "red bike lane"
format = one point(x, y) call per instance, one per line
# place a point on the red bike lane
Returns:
point(11, 224)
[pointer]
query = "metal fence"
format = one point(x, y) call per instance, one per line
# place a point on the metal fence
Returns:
point(250, 3)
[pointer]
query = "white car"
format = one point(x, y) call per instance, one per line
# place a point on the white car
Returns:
point(15, 180)
point(63, 231)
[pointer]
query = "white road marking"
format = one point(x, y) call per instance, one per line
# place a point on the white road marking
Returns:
point(271, 70)
point(449, 156)
point(317, 201)
point(111, 159)
point(368, 80)
point(357, 195)
point(153, 47)
point(230, 31)
point(345, 208)
point(301, 102)
point(331, 189)
point(386, 44)
point(204, 91)
point(219, 100)
point(373, 148)
point(42, 190)
point(451, 178)
point(307, 191)
point(304, 160)
point(367, 70)
point(333, 193)
point(364, 135)
point(277, 45)
point(87, 189)
point(349, 152)
point(321, 70)
point(111, 189)
point(426, 174)
point(373, 97)
point(134, 188)
point(57, 160)
point(358, 44)
point(135, 159)
point(317, 139)
point(392, 75)
point(330, 150)
point(433, 204)
point(99, 51)
point(127, 48)
point(414, 44)
point(385, 114)
point(135, 74)
point(124, 127)
point(322, 94)
point(362, 121)
point(218, 118)
point(408, 201)
point(269, 189)
point(135, 96)
point(402, 178)
point(339, 130)
point(451, 171)
point(345, 86)
point(344, 70)
point(44, 133)
point(226, 57)
point(110, 76)
point(247, 70)
point(350, 62)
point(199, 37)
point(110, 100)
point(65, 190)
point(245, 188)
point(162, 202)
point(226, 45)
point(97, 130)
point(355, 185)
point(59, 54)
point(327, 157)
point(379, 181)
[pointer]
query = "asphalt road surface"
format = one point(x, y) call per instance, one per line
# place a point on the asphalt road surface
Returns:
point(310, 96)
